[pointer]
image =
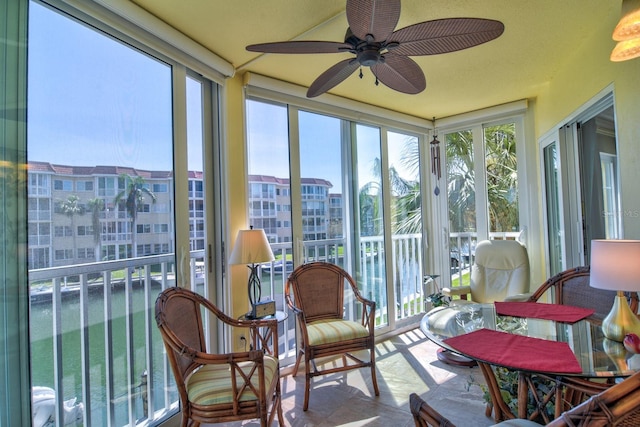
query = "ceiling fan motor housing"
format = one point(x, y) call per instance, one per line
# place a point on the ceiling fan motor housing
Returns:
point(369, 55)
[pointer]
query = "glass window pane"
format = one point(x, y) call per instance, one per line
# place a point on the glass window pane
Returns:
point(501, 165)
point(321, 174)
point(371, 269)
point(197, 219)
point(406, 222)
point(461, 189)
point(554, 226)
point(100, 141)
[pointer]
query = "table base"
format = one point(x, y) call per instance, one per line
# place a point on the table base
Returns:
point(451, 358)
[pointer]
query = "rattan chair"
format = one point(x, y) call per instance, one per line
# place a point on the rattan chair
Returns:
point(571, 287)
point(315, 293)
point(619, 405)
point(217, 388)
point(425, 416)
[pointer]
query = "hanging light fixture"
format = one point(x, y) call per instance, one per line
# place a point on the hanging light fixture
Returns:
point(627, 32)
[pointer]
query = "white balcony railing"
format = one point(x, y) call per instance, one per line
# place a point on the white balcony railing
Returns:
point(97, 320)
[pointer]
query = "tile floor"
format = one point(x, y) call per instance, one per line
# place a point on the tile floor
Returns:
point(405, 364)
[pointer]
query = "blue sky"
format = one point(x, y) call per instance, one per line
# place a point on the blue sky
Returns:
point(96, 101)
point(74, 114)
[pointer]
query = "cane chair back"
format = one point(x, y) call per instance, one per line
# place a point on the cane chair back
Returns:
point(619, 405)
point(315, 293)
point(216, 388)
point(424, 415)
point(571, 287)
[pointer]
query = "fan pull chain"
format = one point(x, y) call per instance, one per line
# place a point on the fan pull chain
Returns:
point(377, 81)
point(360, 72)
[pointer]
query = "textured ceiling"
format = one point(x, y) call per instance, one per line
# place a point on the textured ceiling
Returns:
point(538, 36)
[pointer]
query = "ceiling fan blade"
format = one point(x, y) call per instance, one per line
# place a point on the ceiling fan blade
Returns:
point(445, 35)
point(375, 17)
point(400, 73)
point(300, 47)
point(332, 77)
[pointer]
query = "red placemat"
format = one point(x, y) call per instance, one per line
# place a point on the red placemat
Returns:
point(517, 351)
point(557, 312)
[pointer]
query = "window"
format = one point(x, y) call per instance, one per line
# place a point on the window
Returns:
point(85, 230)
point(84, 185)
point(107, 148)
point(160, 188)
point(482, 175)
point(63, 185)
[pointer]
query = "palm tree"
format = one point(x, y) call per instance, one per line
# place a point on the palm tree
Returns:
point(502, 177)
point(134, 193)
point(96, 206)
point(72, 207)
point(460, 181)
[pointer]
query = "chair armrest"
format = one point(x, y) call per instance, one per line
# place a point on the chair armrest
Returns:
point(461, 291)
point(263, 334)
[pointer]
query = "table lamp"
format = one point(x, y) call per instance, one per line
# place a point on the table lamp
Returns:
point(252, 248)
point(615, 265)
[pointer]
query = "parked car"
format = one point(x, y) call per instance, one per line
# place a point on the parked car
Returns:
point(277, 267)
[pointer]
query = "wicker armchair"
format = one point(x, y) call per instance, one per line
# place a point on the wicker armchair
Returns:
point(619, 405)
point(571, 287)
point(315, 293)
point(425, 416)
point(216, 388)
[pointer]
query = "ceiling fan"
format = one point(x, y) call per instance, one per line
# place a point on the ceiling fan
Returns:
point(370, 37)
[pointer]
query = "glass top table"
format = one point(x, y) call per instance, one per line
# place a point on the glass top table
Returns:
point(598, 356)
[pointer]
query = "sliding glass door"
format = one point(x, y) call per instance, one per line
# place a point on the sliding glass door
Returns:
point(483, 192)
point(330, 189)
point(581, 185)
point(120, 208)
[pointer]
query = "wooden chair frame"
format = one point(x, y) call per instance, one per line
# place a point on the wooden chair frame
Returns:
point(618, 405)
point(247, 395)
point(571, 287)
point(424, 415)
point(315, 292)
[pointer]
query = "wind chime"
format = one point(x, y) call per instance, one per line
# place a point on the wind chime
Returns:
point(435, 160)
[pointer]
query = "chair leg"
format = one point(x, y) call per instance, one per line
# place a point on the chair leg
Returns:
point(297, 365)
point(277, 406)
point(375, 381)
point(307, 382)
point(373, 375)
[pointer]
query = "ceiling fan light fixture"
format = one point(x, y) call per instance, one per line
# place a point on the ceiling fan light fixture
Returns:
point(625, 50)
point(629, 25)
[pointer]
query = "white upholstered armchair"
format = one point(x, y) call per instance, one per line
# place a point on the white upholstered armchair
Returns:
point(500, 273)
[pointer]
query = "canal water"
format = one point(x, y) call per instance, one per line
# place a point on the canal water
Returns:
point(43, 351)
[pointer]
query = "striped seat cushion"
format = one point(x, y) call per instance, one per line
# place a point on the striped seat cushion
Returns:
point(334, 330)
point(211, 384)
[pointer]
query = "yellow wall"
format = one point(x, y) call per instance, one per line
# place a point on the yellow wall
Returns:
point(586, 72)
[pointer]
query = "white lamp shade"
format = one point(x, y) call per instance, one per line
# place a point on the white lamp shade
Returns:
point(615, 265)
point(252, 247)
